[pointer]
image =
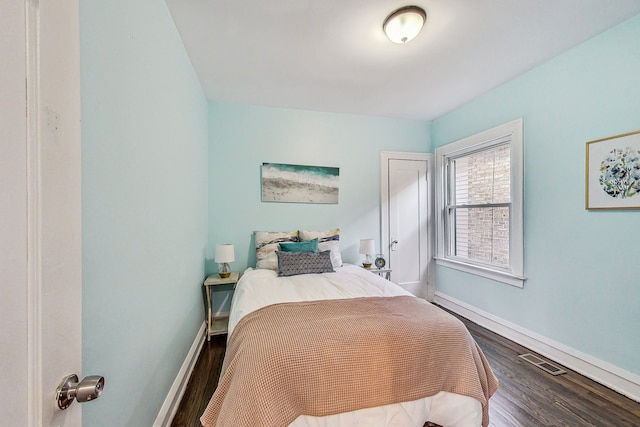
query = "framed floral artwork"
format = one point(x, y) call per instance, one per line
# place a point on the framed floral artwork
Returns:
point(613, 172)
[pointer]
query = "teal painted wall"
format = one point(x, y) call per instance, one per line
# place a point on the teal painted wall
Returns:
point(144, 192)
point(583, 284)
point(242, 137)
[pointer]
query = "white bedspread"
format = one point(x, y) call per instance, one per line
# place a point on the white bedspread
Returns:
point(260, 288)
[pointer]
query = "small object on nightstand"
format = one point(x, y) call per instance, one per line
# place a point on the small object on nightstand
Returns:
point(217, 323)
point(380, 261)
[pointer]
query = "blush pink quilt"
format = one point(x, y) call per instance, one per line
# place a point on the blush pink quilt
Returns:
point(325, 357)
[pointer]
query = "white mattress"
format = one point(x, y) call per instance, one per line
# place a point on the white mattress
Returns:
point(260, 288)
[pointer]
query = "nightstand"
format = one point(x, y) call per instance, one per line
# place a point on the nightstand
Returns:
point(382, 272)
point(217, 324)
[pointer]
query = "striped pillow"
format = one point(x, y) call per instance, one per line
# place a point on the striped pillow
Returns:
point(267, 243)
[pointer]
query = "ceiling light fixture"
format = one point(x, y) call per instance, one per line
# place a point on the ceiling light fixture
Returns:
point(404, 24)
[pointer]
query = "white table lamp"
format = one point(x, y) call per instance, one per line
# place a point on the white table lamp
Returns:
point(367, 248)
point(224, 255)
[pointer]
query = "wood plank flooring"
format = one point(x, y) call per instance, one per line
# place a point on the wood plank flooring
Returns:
point(527, 397)
point(202, 383)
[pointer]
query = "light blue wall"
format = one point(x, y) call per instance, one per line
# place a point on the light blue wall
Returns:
point(144, 192)
point(242, 137)
point(583, 287)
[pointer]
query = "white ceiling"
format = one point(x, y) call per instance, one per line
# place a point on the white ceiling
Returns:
point(331, 55)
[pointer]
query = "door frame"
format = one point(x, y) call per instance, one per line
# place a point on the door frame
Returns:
point(385, 245)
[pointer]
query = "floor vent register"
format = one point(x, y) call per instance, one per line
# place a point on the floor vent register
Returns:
point(542, 364)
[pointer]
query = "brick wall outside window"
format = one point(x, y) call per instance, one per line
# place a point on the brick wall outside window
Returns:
point(482, 234)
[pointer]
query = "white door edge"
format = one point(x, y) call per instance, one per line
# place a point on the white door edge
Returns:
point(34, 279)
point(54, 248)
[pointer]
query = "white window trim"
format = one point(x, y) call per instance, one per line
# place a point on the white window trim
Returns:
point(514, 275)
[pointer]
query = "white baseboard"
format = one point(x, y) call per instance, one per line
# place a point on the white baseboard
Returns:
point(172, 401)
point(611, 376)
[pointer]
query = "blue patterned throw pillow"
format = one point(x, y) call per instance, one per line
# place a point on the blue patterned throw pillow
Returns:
point(294, 263)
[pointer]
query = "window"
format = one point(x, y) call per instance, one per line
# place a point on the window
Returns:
point(479, 204)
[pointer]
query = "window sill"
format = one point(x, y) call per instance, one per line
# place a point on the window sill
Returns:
point(499, 276)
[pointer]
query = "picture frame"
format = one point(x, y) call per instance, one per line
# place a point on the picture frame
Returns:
point(613, 172)
point(287, 183)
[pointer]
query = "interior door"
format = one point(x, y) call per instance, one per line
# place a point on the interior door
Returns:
point(40, 206)
point(406, 232)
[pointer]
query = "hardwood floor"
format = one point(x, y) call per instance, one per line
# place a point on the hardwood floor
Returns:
point(202, 383)
point(527, 397)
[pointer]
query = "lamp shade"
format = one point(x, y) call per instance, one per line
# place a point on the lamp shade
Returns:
point(367, 246)
point(225, 253)
point(404, 24)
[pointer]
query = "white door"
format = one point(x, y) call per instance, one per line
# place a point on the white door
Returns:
point(40, 249)
point(406, 215)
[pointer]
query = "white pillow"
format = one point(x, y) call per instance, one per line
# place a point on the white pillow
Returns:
point(327, 240)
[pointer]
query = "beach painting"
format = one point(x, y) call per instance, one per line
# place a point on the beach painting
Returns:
point(300, 184)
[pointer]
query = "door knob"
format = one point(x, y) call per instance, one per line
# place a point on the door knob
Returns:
point(69, 389)
point(394, 244)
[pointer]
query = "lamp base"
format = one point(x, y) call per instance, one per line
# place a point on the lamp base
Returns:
point(366, 265)
point(224, 271)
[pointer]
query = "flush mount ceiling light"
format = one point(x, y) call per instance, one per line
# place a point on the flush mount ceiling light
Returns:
point(404, 24)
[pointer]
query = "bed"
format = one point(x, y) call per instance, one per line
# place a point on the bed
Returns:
point(345, 347)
